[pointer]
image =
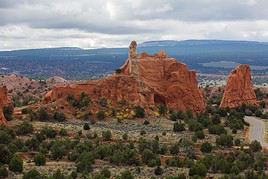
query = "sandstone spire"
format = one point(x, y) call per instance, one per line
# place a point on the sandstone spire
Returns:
point(133, 60)
point(239, 89)
point(3, 102)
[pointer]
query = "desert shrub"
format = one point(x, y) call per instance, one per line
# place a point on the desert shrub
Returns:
point(199, 134)
point(146, 122)
point(15, 164)
point(103, 102)
point(101, 115)
point(194, 125)
point(107, 135)
point(32, 174)
point(58, 150)
point(5, 138)
point(173, 116)
point(139, 112)
point(158, 171)
point(8, 111)
point(178, 127)
point(216, 129)
point(198, 169)
point(86, 126)
point(84, 163)
point(125, 136)
point(3, 172)
point(42, 114)
point(39, 159)
point(24, 129)
point(63, 132)
point(225, 140)
point(58, 175)
point(84, 100)
point(125, 175)
point(59, 116)
point(149, 158)
point(162, 109)
point(255, 146)
point(206, 147)
point(49, 132)
point(5, 154)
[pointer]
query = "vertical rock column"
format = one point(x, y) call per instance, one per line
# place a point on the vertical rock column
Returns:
point(133, 59)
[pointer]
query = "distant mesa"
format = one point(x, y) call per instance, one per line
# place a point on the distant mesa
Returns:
point(146, 80)
point(239, 89)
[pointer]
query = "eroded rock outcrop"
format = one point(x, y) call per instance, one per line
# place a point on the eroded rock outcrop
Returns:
point(146, 80)
point(3, 102)
point(239, 89)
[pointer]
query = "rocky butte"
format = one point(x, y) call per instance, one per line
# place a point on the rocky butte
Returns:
point(3, 102)
point(146, 80)
point(239, 89)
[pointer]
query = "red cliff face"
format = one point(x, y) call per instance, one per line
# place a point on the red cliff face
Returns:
point(3, 102)
point(144, 80)
point(239, 89)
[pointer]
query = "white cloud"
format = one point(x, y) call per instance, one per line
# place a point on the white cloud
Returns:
point(111, 23)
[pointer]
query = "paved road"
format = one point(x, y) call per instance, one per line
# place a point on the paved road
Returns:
point(257, 130)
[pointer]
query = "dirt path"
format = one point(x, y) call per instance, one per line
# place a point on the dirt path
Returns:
point(257, 130)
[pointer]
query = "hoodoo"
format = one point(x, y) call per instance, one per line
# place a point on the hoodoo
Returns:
point(239, 89)
point(147, 80)
point(3, 102)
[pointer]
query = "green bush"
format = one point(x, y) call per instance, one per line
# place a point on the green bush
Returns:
point(32, 174)
point(49, 132)
point(86, 126)
point(198, 169)
point(107, 135)
point(58, 150)
point(24, 129)
point(84, 163)
point(63, 132)
point(225, 140)
point(5, 154)
point(59, 116)
point(206, 147)
point(58, 175)
point(158, 171)
point(40, 159)
point(3, 172)
point(125, 175)
point(101, 115)
point(15, 164)
point(216, 129)
point(255, 146)
point(139, 112)
point(178, 127)
point(162, 109)
point(42, 114)
point(199, 134)
point(103, 102)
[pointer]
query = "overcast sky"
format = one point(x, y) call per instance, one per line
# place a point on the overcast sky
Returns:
point(114, 23)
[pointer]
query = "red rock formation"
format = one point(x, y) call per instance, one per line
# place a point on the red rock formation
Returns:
point(3, 102)
point(146, 80)
point(239, 89)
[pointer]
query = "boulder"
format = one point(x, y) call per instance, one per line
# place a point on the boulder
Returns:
point(239, 89)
